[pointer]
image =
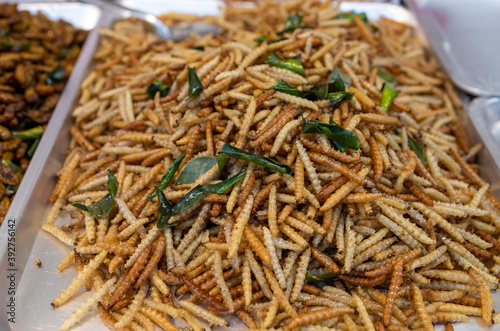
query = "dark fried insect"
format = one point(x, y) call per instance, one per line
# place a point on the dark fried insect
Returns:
point(36, 58)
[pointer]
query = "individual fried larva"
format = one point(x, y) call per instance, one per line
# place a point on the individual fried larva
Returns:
point(79, 313)
point(247, 282)
point(80, 279)
point(343, 191)
point(418, 301)
point(58, 233)
point(317, 316)
point(278, 292)
point(344, 170)
point(258, 272)
point(484, 292)
point(424, 260)
point(126, 319)
point(445, 317)
point(389, 265)
point(310, 170)
point(217, 272)
point(468, 300)
point(436, 295)
point(300, 275)
point(363, 281)
point(127, 282)
point(299, 180)
point(360, 307)
point(153, 261)
point(325, 260)
point(396, 281)
point(454, 308)
point(239, 227)
point(158, 318)
point(398, 231)
point(257, 246)
point(275, 265)
point(205, 314)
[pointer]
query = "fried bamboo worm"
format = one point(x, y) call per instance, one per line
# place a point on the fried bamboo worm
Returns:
point(396, 281)
point(317, 316)
point(131, 276)
point(153, 261)
point(203, 295)
point(80, 279)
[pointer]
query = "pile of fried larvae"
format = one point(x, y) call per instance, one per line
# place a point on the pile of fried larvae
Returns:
point(306, 169)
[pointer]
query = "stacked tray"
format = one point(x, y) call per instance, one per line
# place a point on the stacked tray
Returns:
point(36, 287)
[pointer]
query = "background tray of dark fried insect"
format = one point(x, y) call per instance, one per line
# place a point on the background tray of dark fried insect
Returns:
point(37, 286)
point(85, 17)
point(37, 54)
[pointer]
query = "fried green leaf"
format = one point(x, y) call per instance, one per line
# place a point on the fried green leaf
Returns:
point(30, 134)
point(350, 16)
point(32, 149)
point(221, 160)
point(15, 168)
point(335, 97)
point(63, 53)
point(16, 47)
point(197, 193)
point(292, 23)
point(194, 169)
point(222, 187)
point(338, 136)
point(195, 86)
point(112, 184)
point(282, 86)
point(257, 159)
point(167, 177)
point(164, 209)
point(157, 86)
point(103, 207)
point(417, 148)
point(385, 75)
point(55, 76)
point(338, 81)
point(388, 94)
point(289, 64)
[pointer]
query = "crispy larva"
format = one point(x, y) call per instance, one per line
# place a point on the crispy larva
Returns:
point(486, 300)
point(419, 305)
point(275, 265)
point(133, 308)
point(360, 306)
point(202, 313)
point(300, 275)
point(217, 272)
point(58, 233)
point(80, 279)
point(80, 312)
